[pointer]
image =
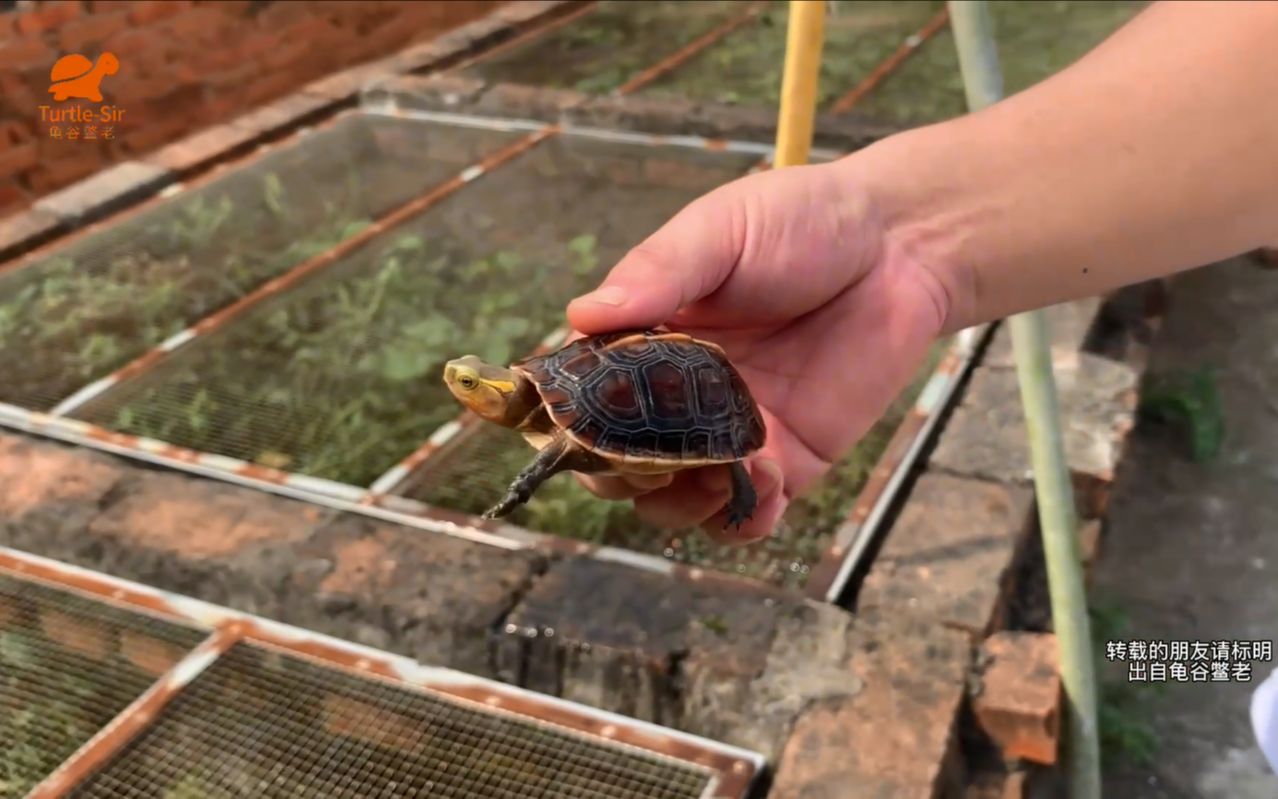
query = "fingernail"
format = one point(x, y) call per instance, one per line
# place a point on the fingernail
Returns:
point(609, 295)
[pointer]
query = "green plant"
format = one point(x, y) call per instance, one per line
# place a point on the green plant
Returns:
point(107, 300)
point(57, 711)
point(1126, 733)
point(336, 379)
point(1188, 400)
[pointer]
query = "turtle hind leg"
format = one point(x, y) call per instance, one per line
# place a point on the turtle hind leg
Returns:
point(745, 499)
point(558, 456)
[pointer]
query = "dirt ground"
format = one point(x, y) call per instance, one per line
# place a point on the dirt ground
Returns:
point(1192, 549)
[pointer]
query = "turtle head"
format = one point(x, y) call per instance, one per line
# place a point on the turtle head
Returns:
point(492, 392)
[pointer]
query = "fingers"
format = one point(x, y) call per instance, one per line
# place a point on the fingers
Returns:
point(620, 488)
point(686, 259)
point(697, 498)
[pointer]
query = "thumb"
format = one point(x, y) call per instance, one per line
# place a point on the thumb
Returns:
point(686, 259)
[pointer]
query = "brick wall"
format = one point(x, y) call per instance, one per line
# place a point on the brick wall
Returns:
point(183, 65)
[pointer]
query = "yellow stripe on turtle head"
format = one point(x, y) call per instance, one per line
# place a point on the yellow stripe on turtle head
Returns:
point(504, 386)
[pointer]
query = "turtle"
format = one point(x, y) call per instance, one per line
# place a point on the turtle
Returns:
point(640, 402)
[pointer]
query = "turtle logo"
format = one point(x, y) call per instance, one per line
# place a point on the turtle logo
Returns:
point(76, 76)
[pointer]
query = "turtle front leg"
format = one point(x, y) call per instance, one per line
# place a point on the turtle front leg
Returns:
point(740, 507)
point(557, 456)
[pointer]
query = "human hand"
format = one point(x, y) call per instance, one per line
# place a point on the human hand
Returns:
point(827, 317)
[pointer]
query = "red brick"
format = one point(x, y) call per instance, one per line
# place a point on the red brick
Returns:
point(197, 27)
point(47, 16)
point(166, 128)
point(250, 46)
point(949, 555)
point(201, 148)
point(78, 635)
point(141, 13)
point(36, 475)
point(18, 158)
point(895, 737)
point(198, 519)
point(127, 44)
point(26, 53)
point(13, 198)
point(287, 53)
point(271, 86)
point(1019, 702)
point(13, 133)
point(89, 32)
point(53, 174)
point(136, 88)
point(279, 15)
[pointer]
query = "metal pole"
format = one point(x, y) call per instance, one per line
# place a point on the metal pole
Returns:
point(805, 32)
point(982, 80)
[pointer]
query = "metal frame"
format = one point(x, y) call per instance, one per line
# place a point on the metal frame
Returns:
point(829, 576)
point(889, 65)
point(733, 770)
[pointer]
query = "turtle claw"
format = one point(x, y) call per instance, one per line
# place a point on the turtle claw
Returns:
point(737, 516)
point(741, 506)
point(502, 508)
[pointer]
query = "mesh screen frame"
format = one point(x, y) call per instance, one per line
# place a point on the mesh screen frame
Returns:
point(214, 631)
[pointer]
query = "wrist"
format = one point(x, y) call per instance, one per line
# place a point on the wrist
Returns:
point(931, 208)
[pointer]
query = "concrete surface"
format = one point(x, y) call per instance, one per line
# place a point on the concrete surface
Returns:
point(1191, 550)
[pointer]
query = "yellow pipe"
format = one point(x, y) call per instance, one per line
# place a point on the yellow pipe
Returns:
point(805, 33)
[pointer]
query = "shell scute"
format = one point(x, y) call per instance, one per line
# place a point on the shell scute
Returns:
point(655, 397)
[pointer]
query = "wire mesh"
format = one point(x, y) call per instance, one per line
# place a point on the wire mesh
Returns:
point(68, 665)
point(260, 723)
point(103, 299)
point(341, 378)
point(471, 472)
point(1035, 40)
point(745, 67)
point(603, 49)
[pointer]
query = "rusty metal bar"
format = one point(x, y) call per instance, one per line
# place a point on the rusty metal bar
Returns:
point(890, 64)
point(138, 716)
point(683, 54)
point(221, 317)
point(734, 768)
point(830, 575)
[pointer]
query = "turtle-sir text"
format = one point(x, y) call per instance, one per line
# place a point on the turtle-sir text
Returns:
point(109, 114)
